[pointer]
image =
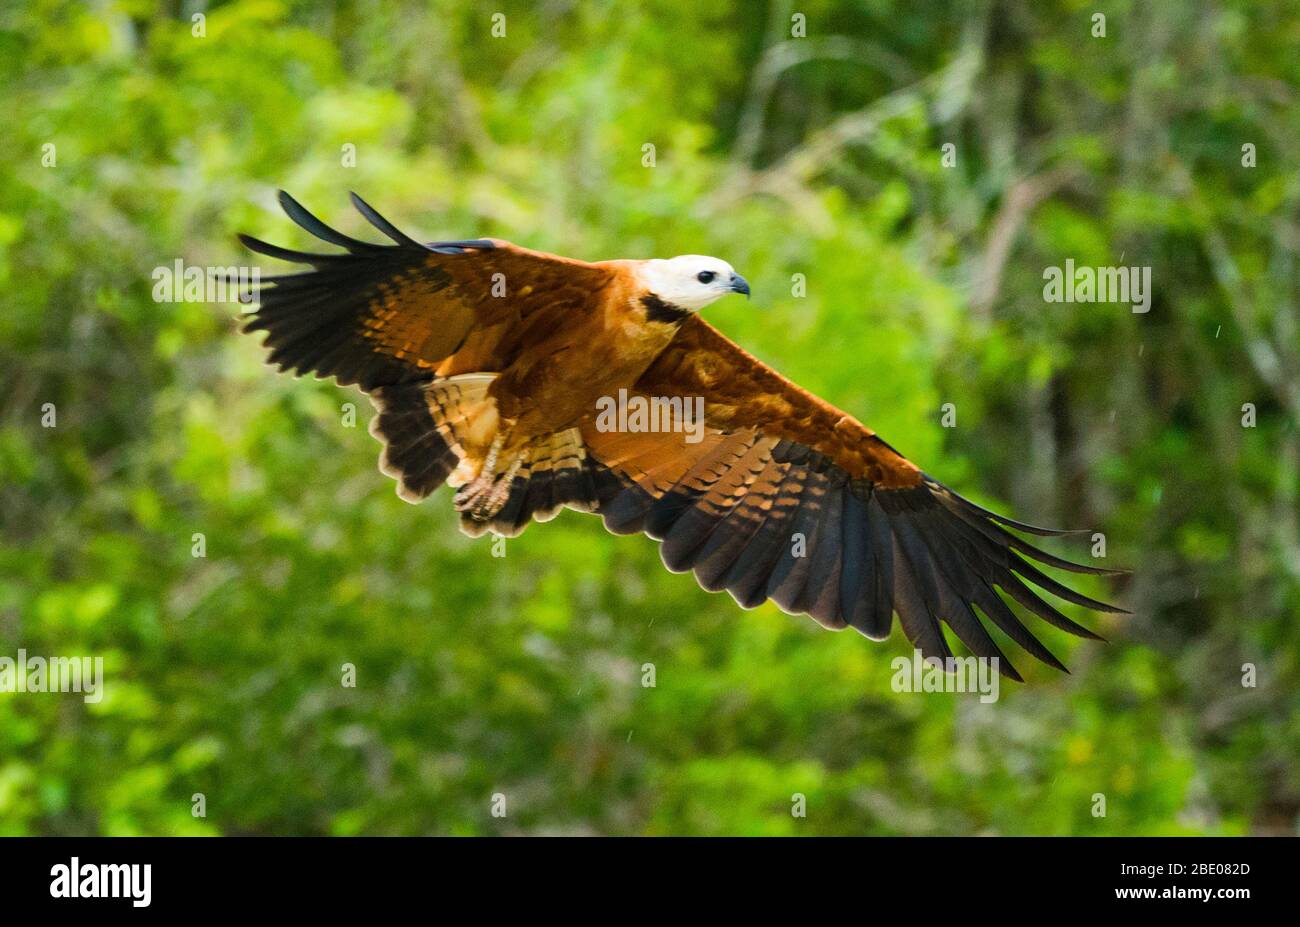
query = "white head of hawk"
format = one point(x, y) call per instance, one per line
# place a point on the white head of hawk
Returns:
point(691, 281)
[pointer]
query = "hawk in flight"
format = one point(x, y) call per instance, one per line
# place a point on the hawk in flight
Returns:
point(487, 363)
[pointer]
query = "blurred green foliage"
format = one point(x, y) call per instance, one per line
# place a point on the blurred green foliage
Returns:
point(522, 675)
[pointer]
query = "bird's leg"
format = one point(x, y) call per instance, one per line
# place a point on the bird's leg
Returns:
point(500, 492)
point(473, 494)
point(483, 496)
point(490, 462)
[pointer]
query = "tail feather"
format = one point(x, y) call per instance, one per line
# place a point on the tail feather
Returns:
point(425, 427)
point(553, 473)
point(438, 431)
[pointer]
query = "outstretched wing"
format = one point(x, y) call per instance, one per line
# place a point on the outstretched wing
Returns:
point(379, 315)
point(787, 498)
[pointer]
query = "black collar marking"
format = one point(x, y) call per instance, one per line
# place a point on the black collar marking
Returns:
point(656, 310)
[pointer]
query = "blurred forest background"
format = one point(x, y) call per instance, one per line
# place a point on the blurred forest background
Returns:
point(818, 155)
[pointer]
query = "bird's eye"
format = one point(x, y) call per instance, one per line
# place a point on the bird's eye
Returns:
point(705, 276)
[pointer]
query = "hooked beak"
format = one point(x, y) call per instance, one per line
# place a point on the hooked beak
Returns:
point(739, 285)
